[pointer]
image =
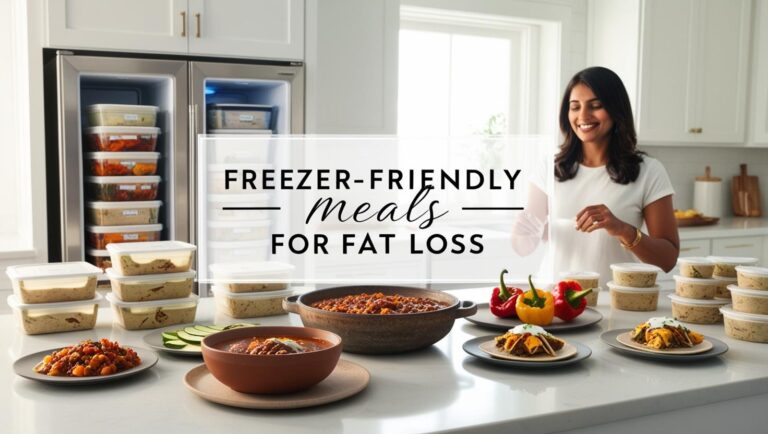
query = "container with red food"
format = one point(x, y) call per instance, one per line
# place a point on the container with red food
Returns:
point(99, 236)
point(117, 139)
point(122, 163)
point(99, 258)
point(122, 188)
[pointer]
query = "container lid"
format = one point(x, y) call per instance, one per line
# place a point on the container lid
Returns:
point(16, 304)
point(249, 270)
point(54, 270)
point(238, 224)
point(122, 130)
point(241, 198)
point(747, 291)
point(721, 280)
point(122, 107)
point(695, 260)
point(237, 244)
point(221, 292)
point(612, 286)
point(696, 302)
point(732, 260)
point(752, 271)
point(123, 179)
point(115, 301)
point(639, 267)
point(579, 275)
point(150, 247)
point(698, 280)
point(114, 275)
point(122, 155)
point(239, 131)
point(130, 228)
point(728, 312)
point(233, 106)
point(124, 205)
point(96, 252)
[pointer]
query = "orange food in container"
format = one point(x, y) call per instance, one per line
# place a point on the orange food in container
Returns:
point(99, 258)
point(122, 163)
point(119, 139)
point(100, 236)
point(122, 188)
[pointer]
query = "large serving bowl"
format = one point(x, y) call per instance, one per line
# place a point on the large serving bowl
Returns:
point(381, 334)
point(270, 374)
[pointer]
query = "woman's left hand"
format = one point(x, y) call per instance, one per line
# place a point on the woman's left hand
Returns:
point(596, 217)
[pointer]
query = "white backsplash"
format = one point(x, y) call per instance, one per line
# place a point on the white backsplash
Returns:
point(684, 164)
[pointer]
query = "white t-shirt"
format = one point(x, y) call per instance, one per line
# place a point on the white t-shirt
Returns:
point(596, 251)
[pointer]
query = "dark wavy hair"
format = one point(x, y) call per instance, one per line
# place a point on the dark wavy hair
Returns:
point(623, 157)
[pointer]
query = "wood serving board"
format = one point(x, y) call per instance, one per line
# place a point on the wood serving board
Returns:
point(697, 221)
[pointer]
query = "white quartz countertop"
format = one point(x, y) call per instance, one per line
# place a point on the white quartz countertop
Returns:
point(727, 227)
point(435, 390)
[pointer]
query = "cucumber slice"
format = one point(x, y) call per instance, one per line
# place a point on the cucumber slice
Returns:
point(195, 332)
point(206, 329)
point(170, 336)
point(188, 338)
point(218, 328)
point(175, 344)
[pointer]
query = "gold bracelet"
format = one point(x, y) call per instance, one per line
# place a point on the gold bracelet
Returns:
point(634, 243)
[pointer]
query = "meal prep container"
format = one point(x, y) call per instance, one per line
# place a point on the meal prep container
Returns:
point(250, 304)
point(381, 334)
point(121, 139)
point(749, 300)
point(586, 279)
point(153, 314)
point(122, 188)
point(238, 231)
point(65, 316)
point(122, 163)
point(252, 276)
point(99, 258)
point(700, 268)
point(745, 326)
point(239, 116)
point(237, 251)
point(122, 115)
point(49, 283)
point(752, 277)
point(100, 236)
point(722, 286)
point(238, 152)
point(216, 203)
point(152, 257)
point(634, 299)
point(152, 286)
point(697, 311)
point(725, 266)
point(690, 287)
point(123, 213)
point(270, 374)
point(635, 275)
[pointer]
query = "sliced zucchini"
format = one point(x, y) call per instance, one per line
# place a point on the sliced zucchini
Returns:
point(175, 344)
point(192, 339)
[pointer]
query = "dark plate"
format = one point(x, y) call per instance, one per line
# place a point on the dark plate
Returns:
point(472, 347)
point(718, 348)
point(155, 340)
point(25, 367)
point(484, 318)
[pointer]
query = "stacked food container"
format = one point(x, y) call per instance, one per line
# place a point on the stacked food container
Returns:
point(152, 284)
point(51, 298)
point(747, 317)
point(122, 183)
point(634, 287)
point(699, 292)
point(251, 289)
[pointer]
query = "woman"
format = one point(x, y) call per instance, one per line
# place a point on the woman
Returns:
point(605, 189)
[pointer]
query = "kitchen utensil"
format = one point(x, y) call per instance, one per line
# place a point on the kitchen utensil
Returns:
point(708, 194)
point(484, 318)
point(745, 194)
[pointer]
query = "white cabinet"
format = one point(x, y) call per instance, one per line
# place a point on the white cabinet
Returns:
point(690, 69)
point(266, 29)
point(759, 120)
point(750, 247)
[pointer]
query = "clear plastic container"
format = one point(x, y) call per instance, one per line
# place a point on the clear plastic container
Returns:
point(725, 266)
point(50, 283)
point(40, 318)
point(237, 251)
point(634, 299)
point(122, 188)
point(217, 203)
point(99, 258)
point(153, 314)
point(696, 267)
point(239, 116)
point(586, 279)
point(749, 300)
point(635, 274)
point(238, 230)
point(122, 163)
point(691, 287)
point(745, 326)
point(121, 139)
point(252, 276)
point(239, 151)
point(151, 287)
point(722, 286)
point(100, 236)
point(697, 311)
point(122, 115)
point(153, 257)
point(752, 277)
point(123, 213)
point(250, 305)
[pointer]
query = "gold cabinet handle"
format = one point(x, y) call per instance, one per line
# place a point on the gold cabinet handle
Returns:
point(739, 246)
point(688, 249)
point(696, 130)
point(197, 19)
point(183, 24)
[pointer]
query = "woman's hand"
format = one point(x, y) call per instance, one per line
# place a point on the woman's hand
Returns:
point(597, 217)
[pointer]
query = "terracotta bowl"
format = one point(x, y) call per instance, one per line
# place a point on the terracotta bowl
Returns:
point(270, 374)
point(381, 334)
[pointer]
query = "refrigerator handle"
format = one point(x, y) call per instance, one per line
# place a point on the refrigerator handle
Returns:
point(193, 130)
point(183, 24)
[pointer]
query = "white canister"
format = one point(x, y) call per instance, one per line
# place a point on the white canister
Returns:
point(708, 195)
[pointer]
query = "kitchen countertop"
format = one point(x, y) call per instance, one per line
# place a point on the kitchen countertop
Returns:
point(727, 227)
point(437, 389)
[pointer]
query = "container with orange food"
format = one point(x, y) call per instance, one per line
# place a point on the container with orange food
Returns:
point(100, 236)
point(117, 139)
point(122, 188)
point(122, 163)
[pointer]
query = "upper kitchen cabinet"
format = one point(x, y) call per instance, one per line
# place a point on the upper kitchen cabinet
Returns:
point(759, 119)
point(685, 62)
point(263, 29)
